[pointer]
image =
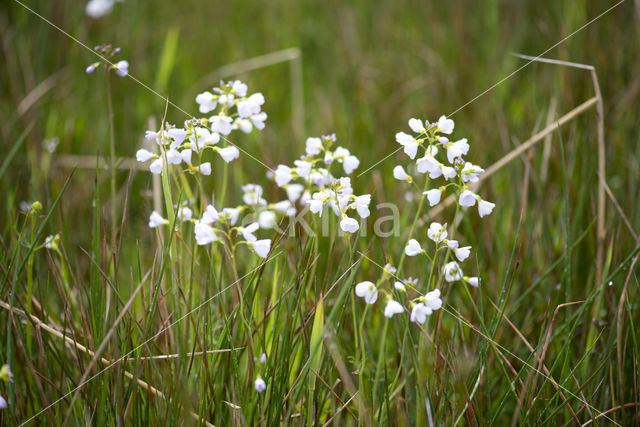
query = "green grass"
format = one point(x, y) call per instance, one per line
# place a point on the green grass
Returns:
point(512, 351)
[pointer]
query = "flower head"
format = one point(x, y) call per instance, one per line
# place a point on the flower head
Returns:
point(413, 248)
point(260, 385)
point(368, 291)
point(393, 307)
point(156, 220)
point(452, 271)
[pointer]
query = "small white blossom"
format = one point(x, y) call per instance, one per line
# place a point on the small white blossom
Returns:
point(263, 358)
point(204, 168)
point(437, 232)
point(368, 291)
point(417, 125)
point(399, 286)
point(229, 153)
point(156, 220)
point(247, 232)
point(261, 247)
point(401, 175)
point(349, 225)
point(350, 163)
point(485, 208)
point(362, 205)
point(221, 124)
point(433, 196)
point(253, 194)
point(156, 166)
point(409, 143)
point(462, 253)
point(313, 146)
point(445, 125)
point(178, 135)
point(121, 68)
point(185, 213)
point(303, 169)
point(470, 172)
point(260, 385)
point(207, 101)
point(455, 150)
point(210, 215)
point(230, 215)
point(452, 271)
point(98, 8)
point(173, 157)
point(143, 155)
point(392, 308)
point(413, 248)
point(473, 281)
point(283, 175)
point(294, 191)
point(204, 234)
point(267, 219)
point(467, 198)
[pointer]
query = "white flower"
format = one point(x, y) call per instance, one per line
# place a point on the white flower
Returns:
point(229, 153)
point(445, 125)
point(313, 146)
point(399, 286)
point(251, 105)
point(433, 196)
point(156, 220)
point(452, 271)
point(350, 163)
point(416, 125)
point(419, 313)
point(91, 68)
point(408, 142)
point(226, 100)
point(221, 124)
point(432, 300)
point(283, 175)
point(362, 205)
point(485, 208)
point(350, 225)
point(267, 219)
point(448, 172)
point(243, 124)
point(437, 232)
point(294, 191)
point(204, 168)
point(467, 198)
point(239, 88)
point(173, 157)
point(151, 136)
point(260, 385)
point(230, 215)
point(470, 172)
point(156, 166)
point(186, 156)
point(462, 253)
point(401, 175)
point(247, 232)
point(473, 281)
point(413, 248)
point(98, 8)
point(452, 244)
point(393, 307)
point(207, 101)
point(261, 247)
point(428, 163)
point(368, 291)
point(121, 68)
point(318, 200)
point(143, 155)
point(204, 233)
point(178, 135)
point(303, 169)
point(252, 194)
point(457, 149)
point(210, 215)
point(258, 120)
point(185, 213)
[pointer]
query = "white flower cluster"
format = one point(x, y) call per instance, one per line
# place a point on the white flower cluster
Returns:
point(233, 109)
point(432, 139)
point(311, 181)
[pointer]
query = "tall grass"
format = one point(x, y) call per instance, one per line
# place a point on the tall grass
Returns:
point(123, 331)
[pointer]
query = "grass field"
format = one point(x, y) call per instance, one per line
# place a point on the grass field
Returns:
point(117, 323)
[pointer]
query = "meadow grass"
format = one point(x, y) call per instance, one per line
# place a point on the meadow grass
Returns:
point(123, 324)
